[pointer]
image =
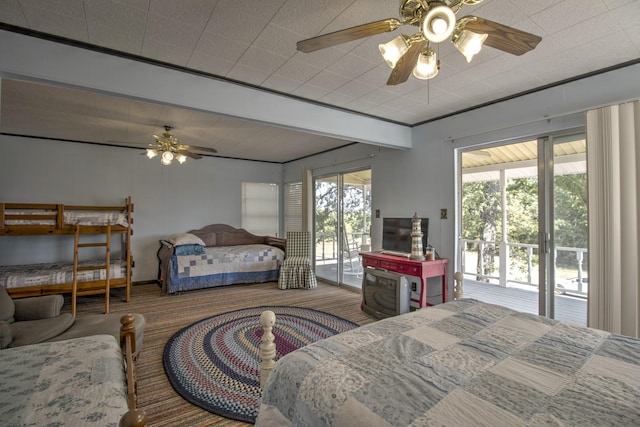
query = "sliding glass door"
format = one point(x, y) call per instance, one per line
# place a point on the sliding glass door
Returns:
point(564, 228)
point(523, 223)
point(326, 223)
point(342, 218)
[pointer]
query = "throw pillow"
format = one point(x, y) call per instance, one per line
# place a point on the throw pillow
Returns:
point(185, 239)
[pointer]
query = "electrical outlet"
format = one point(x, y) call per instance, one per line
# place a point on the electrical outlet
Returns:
point(443, 214)
point(377, 213)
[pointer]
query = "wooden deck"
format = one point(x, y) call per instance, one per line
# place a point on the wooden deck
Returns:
point(567, 308)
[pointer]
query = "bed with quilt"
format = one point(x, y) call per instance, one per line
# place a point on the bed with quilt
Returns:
point(55, 276)
point(218, 255)
point(461, 363)
point(85, 381)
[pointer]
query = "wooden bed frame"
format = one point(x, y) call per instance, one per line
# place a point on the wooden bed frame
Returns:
point(217, 235)
point(55, 212)
point(135, 417)
point(226, 235)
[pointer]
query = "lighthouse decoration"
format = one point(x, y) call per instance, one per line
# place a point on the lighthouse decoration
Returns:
point(416, 239)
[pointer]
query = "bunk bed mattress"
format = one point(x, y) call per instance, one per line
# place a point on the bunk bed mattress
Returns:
point(224, 265)
point(458, 364)
point(17, 276)
point(74, 382)
point(70, 217)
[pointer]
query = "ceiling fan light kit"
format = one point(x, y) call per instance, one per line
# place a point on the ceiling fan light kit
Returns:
point(168, 147)
point(468, 43)
point(437, 22)
point(166, 158)
point(393, 50)
point(427, 66)
point(151, 153)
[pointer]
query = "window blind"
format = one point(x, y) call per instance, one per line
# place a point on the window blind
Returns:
point(260, 208)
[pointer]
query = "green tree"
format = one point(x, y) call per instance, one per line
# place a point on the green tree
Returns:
point(481, 218)
point(356, 201)
point(571, 215)
point(522, 220)
point(522, 210)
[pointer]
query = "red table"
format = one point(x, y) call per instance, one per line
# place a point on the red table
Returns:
point(402, 265)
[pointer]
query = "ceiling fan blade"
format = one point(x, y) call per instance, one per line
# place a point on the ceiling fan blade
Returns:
point(405, 64)
point(196, 148)
point(189, 154)
point(502, 37)
point(129, 143)
point(348, 34)
point(163, 139)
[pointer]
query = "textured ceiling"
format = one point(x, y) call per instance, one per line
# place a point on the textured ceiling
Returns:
point(254, 42)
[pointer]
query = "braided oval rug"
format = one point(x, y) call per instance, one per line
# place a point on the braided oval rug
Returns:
point(215, 365)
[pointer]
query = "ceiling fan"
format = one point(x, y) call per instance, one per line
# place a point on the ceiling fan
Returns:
point(169, 148)
point(437, 22)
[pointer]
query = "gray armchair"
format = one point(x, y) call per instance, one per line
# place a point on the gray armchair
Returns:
point(31, 320)
point(38, 319)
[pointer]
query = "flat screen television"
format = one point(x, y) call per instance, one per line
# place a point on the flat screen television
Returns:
point(396, 234)
point(385, 294)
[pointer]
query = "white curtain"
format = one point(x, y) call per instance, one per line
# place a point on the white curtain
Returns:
point(613, 158)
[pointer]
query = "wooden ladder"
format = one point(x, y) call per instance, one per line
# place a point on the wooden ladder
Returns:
point(93, 290)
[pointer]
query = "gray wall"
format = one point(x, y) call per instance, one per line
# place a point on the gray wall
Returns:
point(167, 199)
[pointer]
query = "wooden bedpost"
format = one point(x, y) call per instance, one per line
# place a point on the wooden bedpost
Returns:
point(134, 417)
point(457, 286)
point(267, 346)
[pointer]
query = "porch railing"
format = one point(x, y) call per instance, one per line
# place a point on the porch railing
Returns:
point(327, 245)
point(528, 273)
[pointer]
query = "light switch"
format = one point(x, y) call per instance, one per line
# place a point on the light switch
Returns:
point(443, 214)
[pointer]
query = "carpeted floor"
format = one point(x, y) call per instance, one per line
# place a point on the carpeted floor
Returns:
point(167, 314)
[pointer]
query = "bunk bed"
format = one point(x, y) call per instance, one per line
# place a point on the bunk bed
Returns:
point(37, 219)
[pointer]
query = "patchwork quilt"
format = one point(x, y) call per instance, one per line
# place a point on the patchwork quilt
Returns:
point(224, 265)
point(463, 363)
